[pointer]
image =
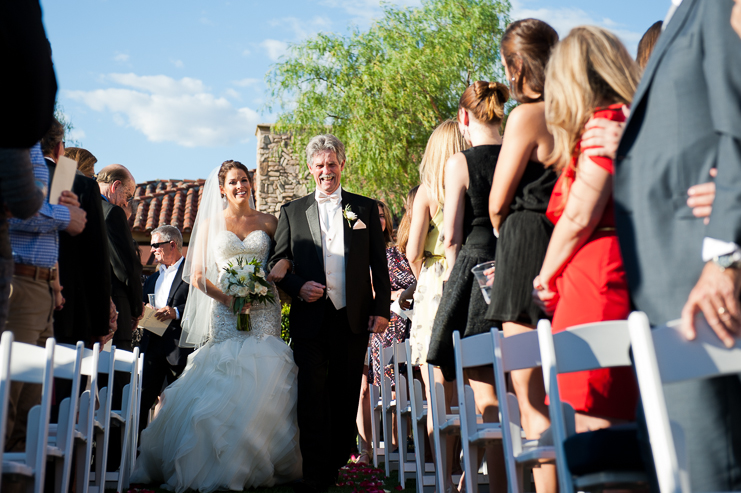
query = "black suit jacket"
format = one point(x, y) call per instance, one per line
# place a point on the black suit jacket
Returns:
point(126, 268)
point(170, 339)
point(83, 269)
point(299, 238)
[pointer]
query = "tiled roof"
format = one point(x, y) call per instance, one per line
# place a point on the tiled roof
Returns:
point(160, 202)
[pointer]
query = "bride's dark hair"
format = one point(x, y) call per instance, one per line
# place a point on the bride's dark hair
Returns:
point(227, 166)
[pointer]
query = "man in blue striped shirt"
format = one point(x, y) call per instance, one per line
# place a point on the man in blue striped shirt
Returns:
point(35, 245)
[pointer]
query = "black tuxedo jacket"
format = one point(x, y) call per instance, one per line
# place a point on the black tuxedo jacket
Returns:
point(299, 238)
point(170, 339)
point(126, 268)
point(84, 270)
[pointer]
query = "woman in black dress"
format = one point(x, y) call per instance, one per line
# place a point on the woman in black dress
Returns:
point(519, 197)
point(469, 241)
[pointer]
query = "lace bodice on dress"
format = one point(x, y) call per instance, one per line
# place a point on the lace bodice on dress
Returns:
point(265, 317)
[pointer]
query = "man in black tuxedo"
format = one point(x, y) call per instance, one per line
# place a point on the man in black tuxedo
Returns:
point(86, 292)
point(117, 190)
point(163, 359)
point(335, 242)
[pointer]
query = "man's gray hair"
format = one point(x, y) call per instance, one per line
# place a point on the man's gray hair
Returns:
point(169, 233)
point(323, 143)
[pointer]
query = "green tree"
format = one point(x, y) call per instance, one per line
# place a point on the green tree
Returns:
point(384, 90)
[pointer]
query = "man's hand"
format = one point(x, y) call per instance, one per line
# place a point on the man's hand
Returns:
point(112, 319)
point(77, 220)
point(602, 136)
point(58, 299)
point(377, 325)
point(701, 198)
point(69, 199)
point(311, 291)
point(166, 313)
point(736, 18)
point(716, 294)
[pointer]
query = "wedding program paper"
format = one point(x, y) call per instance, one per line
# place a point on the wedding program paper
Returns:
point(64, 176)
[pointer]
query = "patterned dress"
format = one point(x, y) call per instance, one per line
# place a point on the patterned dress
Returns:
point(398, 330)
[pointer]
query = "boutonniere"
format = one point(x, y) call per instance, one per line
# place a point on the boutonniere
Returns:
point(349, 215)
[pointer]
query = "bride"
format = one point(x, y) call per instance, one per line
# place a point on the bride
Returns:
point(229, 422)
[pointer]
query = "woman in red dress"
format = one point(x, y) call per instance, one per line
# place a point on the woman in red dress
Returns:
point(590, 75)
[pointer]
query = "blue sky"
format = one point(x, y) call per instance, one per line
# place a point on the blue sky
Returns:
point(171, 88)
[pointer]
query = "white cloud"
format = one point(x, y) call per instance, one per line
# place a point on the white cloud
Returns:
point(121, 57)
point(245, 82)
point(168, 110)
point(303, 28)
point(565, 18)
point(246, 52)
point(177, 63)
point(274, 48)
point(233, 94)
point(365, 11)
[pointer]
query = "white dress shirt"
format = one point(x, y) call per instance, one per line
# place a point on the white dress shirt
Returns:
point(163, 284)
point(333, 244)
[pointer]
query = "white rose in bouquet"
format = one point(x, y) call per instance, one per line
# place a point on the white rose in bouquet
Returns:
point(243, 292)
point(263, 291)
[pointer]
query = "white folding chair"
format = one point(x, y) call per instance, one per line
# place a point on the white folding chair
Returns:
point(443, 424)
point(127, 362)
point(102, 421)
point(425, 471)
point(84, 430)
point(67, 366)
point(137, 406)
point(388, 406)
point(407, 464)
point(580, 348)
point(33, 364)
point(374, 389)
point(517, 352)
point(6, 344)
point(663, 356)
point(469, 352)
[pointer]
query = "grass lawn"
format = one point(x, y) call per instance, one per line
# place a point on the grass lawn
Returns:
point(354, 478)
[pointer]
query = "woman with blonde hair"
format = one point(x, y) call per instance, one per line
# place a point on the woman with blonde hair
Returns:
point(469, 240)
point(590, 75)
point(426, 253)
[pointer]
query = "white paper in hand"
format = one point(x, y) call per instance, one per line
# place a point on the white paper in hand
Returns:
point(64, 176)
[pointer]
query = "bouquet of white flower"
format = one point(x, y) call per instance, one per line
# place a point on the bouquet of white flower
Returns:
point(246, 282)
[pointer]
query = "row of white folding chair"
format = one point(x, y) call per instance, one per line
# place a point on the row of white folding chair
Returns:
point(664, 356)
point(377, 410)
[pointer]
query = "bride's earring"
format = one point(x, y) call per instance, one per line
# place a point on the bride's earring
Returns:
point(224, 201)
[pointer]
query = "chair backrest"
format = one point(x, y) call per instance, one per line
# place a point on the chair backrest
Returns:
point(516, 352)
point(472, 351)
point(663, 356)
point(579, 348)
point(34, 364)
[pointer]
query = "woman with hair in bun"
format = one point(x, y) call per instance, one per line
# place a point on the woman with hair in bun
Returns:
point(469, 240)
point(519, 197)
point(590, 75)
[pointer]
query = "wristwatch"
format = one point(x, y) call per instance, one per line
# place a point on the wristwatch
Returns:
point(729, 261)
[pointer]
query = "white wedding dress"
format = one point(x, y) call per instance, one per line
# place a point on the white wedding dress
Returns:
point(229, 421)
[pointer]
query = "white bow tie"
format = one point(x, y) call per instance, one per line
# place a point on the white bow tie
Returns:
point(335, 199)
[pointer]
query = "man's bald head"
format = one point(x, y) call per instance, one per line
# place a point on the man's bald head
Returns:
point(117, 184)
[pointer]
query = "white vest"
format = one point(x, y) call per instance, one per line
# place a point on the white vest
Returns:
point(333, 248)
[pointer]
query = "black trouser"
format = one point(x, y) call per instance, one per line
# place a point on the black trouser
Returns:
point(330, 369)
point(157, 370)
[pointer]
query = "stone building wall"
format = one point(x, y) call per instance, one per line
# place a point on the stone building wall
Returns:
point(281, 174)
